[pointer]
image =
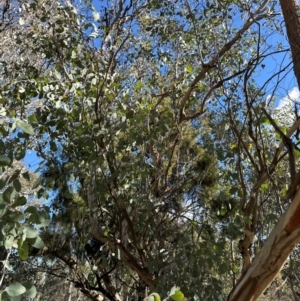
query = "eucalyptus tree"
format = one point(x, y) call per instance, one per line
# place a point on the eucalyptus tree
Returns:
point(154, 135)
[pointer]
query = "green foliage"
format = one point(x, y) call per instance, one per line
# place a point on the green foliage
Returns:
point(148, 125)
point(175, 294)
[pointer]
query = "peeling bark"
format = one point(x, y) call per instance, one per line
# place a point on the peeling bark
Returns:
point(271, 257)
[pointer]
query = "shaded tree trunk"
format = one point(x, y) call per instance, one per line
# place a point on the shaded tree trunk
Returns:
point(291, 14)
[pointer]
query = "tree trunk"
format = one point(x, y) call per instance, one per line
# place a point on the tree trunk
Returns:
point(291, 15)
point(271, 257)
point(286, 234)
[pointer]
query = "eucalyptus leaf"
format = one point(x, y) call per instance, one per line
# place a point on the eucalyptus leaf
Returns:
point(20, 201)
point(9, 194)
point(177, 296)
point(8, 243)
point(4, 161)
point(17, 185)
point(8, 265)
point(22, 249)
point(36, 242)
point(5, 297)
point(25, 127)
point(3, 209)
point(30, 289)
point(2, 184)
point(15, 289)
point(31, 232)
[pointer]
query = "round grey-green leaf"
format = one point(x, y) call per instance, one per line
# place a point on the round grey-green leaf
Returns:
point(30, 289)
point(31, 233)
point(6, 297)
point(15, 289)
point(36, 242)
point(8, 242)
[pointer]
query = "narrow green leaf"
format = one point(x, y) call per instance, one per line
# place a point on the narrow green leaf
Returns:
point(22, 249)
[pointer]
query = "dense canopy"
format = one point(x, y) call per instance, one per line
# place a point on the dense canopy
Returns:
point(149, 150)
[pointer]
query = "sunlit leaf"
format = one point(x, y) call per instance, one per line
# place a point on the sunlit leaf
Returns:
point(176, 294)
point(8, 243)
point(21, 21)
point(96, 15)
point(25, 127)
point(154, 297)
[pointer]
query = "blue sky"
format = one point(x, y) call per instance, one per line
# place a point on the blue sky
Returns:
point(272, 64)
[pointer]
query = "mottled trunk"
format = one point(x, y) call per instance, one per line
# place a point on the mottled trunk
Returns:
point(271, 257)
point(291, 13)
